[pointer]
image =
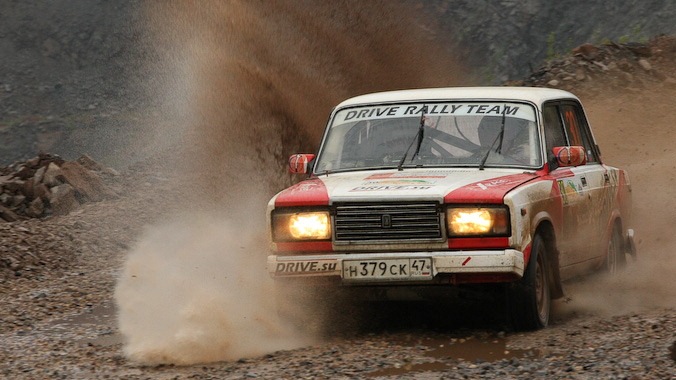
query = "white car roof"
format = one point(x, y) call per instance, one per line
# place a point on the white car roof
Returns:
point(536, 95)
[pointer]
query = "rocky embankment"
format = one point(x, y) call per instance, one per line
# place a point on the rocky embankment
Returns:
point(593, 69)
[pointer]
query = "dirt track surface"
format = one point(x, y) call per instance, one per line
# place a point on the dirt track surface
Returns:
point(68, 314)
point(59, 322)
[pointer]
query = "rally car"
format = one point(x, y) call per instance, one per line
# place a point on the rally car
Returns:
point(432, 188)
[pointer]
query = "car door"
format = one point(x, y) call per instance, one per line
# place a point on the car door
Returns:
point(581, 187)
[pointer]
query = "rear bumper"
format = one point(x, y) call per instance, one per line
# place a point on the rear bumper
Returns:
point(499, 262)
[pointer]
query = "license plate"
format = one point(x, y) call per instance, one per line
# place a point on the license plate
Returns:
point(388, 269)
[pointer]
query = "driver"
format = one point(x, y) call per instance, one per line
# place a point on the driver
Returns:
point(515, 141)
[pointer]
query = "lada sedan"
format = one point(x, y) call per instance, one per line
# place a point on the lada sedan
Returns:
point(439, 187)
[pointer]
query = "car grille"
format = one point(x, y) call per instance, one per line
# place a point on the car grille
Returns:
point(388, 222)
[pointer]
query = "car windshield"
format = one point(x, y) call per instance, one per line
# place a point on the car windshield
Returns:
point(469, 134)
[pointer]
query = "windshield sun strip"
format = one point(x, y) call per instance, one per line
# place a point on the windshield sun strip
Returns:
point(531, 114)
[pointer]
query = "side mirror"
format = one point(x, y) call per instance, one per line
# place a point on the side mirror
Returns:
point(299, 163)
point(567, 156)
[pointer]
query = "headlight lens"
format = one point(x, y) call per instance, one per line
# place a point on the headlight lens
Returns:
point(478, 221)
point(314, 225)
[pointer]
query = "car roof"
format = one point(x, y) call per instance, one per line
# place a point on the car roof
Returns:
point(536, 95)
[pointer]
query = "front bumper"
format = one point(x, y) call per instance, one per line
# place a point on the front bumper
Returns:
point(508, 262)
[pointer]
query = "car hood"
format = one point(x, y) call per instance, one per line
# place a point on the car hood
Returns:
point(460, 185)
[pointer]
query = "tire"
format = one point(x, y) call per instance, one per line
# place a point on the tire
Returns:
point(616, 259)
point(529, 300)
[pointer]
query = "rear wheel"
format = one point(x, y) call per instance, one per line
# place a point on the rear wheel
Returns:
point(615, 257)
point(529, 300)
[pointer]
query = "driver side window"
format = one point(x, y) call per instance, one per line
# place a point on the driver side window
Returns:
point(554, 134)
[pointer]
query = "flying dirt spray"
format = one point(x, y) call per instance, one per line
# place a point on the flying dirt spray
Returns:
point(252, 81)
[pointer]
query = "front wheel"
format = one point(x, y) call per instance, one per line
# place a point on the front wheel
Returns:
point(529, 300)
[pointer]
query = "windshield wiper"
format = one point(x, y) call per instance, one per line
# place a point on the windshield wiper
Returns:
point(418, 136)
point(498, 137)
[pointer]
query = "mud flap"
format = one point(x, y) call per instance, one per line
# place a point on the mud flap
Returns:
point(630, 244)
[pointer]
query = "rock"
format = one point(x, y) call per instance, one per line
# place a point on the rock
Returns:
point(85, 182)
point(14, 186)
point(39, 174)
point(7, 214)
point(639, 49)
point(28, 189)
point(580, 74)
point(63, 200)
point(645, 65)
point(35, 208)
point(41, 191)
point(588, 51)
point(33, 163)
point(17, 200)
point(624, 65)
point(25, 172)
point(53, 175)
point(46, 159)
point(89, 163)
point(553, 83)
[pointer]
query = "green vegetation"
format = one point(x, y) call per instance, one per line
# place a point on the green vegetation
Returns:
point(551, 46)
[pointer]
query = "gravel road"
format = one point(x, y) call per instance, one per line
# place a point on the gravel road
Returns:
point(59, 321)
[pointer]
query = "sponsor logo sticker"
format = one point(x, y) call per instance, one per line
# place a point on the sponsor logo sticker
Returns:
point(305, 267)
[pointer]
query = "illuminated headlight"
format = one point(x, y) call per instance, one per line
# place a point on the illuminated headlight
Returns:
point(478, 221)
point(314, 225)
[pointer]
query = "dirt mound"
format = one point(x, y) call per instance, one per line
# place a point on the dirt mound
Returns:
point(48, 185)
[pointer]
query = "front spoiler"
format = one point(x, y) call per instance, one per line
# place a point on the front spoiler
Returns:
point(501, 262)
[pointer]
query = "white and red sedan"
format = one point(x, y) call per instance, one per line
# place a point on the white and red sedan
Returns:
point(433, 188)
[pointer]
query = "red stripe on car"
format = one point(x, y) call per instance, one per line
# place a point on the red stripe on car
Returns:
point(311, 192)
point(491, 191)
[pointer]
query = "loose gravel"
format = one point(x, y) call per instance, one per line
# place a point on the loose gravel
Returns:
point(57, 321)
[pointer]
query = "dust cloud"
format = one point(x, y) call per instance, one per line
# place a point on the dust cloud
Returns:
point(244, 84)
point(193, 291)
point(635, 132)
